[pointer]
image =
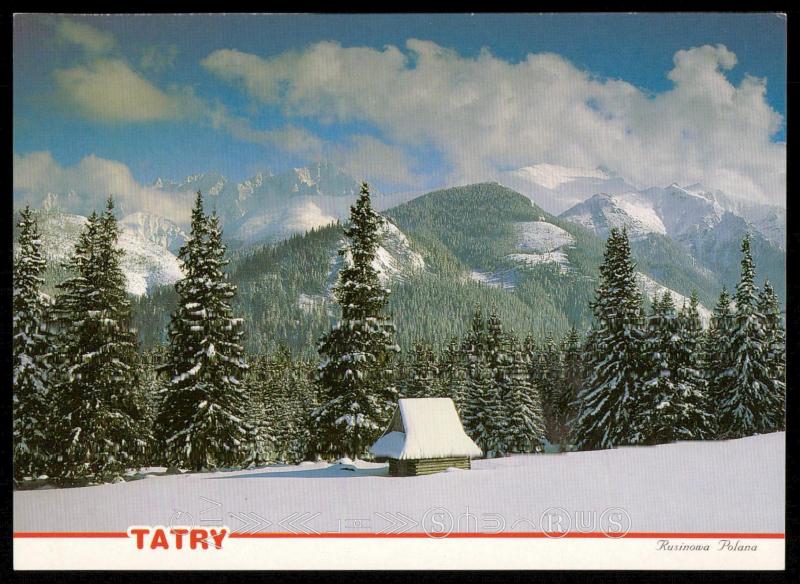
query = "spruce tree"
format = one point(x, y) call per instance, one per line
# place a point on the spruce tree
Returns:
point(521, 408)
point(303, 398)
point(203, 421)
point(454, 374)
point(719, 373)
point(355, 375)
point(673, 395)
point(747, 404)
point(499, 363)
point(572, 381)
point(262, 411)
point(423, 373)
point(775, 336)
point(692, 366)
point(479, 380)
point(608, 399)
point(32, 401)
point(98, 405)
point(550, 384)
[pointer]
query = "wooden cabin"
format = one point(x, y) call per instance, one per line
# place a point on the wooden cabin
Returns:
point(425, 436)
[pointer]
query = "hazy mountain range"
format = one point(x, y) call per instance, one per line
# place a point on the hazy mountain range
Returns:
point(539, 266)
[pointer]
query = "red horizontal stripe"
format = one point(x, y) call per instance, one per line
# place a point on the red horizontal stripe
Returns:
point(508, 535)
point(70, 534)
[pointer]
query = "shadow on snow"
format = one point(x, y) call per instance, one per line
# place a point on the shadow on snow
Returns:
point(329, 472)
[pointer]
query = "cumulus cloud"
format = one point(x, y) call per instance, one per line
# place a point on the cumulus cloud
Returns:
point(109, 90)
point(485, 115)
point(89, 38)
point(84, 187)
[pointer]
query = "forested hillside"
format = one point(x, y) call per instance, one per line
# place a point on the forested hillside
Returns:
point(480, 244)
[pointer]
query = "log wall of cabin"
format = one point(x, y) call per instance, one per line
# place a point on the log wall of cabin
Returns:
point(423, 466)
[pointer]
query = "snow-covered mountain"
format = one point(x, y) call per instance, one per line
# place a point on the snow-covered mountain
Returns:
point(687, 214)
point(157, 229)
point(270, 207)
point(145, 262)
point(556, 188)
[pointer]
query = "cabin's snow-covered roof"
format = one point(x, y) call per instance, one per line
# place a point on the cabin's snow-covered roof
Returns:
point(425, 428)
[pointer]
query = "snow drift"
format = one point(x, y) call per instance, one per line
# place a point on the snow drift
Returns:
point(726, 486)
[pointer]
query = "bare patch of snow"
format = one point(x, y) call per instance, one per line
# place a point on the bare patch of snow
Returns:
point(308, 303)
point(505, 279)
point(540, 236)
point(534, 259)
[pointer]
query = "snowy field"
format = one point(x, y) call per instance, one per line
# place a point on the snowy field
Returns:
point(730, 486)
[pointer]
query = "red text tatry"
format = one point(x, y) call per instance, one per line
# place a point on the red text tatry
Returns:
point(179, 538)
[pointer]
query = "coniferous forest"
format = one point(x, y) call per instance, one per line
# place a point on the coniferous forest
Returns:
point(91, 402)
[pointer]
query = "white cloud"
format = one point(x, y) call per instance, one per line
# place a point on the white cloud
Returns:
point(485, 115)
point(109, 90)
point(89, 38)
point(371, 159)
point(92, 180)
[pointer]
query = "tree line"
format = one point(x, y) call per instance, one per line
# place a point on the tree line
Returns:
point(88, 406)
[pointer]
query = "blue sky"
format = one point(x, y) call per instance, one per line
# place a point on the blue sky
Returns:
point(173, 95)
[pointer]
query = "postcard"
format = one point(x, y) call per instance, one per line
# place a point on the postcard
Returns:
point(399, 291)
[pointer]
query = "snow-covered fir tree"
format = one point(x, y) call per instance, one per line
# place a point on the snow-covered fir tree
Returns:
point(479, 410)
point(282, 393)
point(775, 339)
point(152, 386)
point(32, 403)
point(672, 398)
point(202, 423)
point(98, 409)
point(355, 376)
point(608, 398)
point(474, 343)
point(548, 379)
point(262, 411)
point(523, 428)
point(499, 363)
point(423, 373)
point(573, 375)
point(747, 403)
point(302, 394)
point(453, 372)
point(692, 367)
point(719, 373)
point(479, 379)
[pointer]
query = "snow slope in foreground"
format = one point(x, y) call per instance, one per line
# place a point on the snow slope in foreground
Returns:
point(729, 486)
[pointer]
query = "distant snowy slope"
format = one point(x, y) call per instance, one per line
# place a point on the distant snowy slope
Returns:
point(735, 486)
point(603, 212)
point(541, 236)
point(540, 242)
point(682, 213)
point(650, 287)
point(394, 261)
point(144, 262)
point(157, 229)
